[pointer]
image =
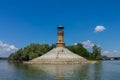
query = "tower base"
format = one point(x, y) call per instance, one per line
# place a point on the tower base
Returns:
point(60, 44)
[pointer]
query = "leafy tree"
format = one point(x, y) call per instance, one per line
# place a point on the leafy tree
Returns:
point(30, 52)
point(52, 46)
point(80, 50)
point(33, 55)
point(96, 52)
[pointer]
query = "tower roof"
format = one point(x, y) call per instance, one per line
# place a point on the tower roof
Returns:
point(60, 27)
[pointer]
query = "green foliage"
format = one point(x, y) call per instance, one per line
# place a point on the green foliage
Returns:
point(36, 50)
point(96, 52)
point(30, 52)
point(33, 55)
point(80, 50)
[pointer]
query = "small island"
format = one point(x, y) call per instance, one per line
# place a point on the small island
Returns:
point(57, 53)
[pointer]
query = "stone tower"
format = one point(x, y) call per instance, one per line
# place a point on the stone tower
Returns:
point(60, 40)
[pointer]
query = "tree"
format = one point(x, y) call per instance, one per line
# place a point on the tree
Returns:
point(32, 55)
point(30, 52)
point(96, 52)
point(80, 50)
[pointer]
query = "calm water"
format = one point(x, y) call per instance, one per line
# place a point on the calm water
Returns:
point(106, 70)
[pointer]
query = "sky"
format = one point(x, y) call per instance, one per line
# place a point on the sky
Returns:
point(35, 21)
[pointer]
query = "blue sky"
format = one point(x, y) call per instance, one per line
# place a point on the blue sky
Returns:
point(34, 21)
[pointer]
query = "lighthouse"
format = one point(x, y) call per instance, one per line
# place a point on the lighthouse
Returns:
point(60, 40)
point(60, 54)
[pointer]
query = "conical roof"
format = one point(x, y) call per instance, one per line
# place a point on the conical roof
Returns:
point(59, 55)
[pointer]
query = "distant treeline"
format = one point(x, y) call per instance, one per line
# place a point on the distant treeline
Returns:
point(3, 58)
point(36, 50)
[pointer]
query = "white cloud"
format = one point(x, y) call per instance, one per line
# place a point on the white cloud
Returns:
point(99, 28)
point(75, 43)
point(6, 48)
point(106, 52)
point(88, 44)
point(112, 53)
point(115, 51)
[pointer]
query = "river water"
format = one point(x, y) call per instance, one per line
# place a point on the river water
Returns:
point(105, 70)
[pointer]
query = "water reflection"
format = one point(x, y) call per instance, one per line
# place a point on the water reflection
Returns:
point(95, 71)
point(70, 72)
point(61, 72)
point(106, 70)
